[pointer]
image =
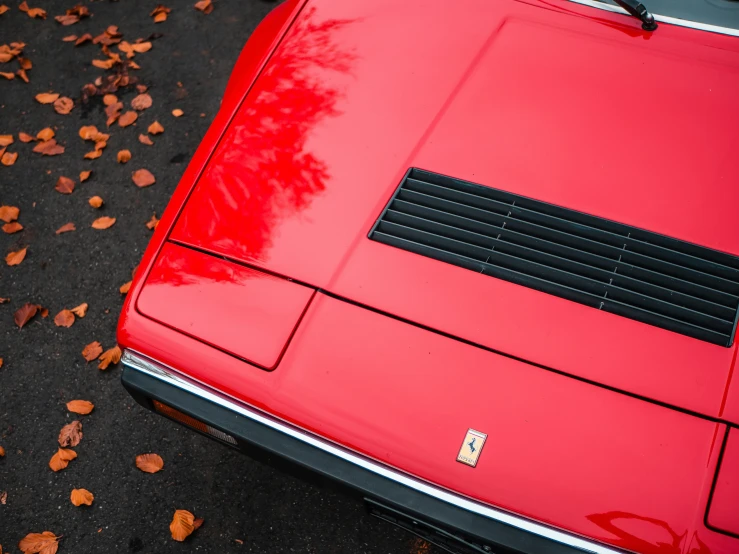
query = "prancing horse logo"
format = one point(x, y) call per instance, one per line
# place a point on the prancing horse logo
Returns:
point(471, 447)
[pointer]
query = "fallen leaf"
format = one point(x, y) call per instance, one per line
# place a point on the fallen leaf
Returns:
point(21, 73)
point(92, 351)
point(95, 202)
point(153, 222)
point(25, 137)
point(160, 13)
point(182, 525)
point(82, 407)
point(155, 128)
point(81, 496)
point(141, 102)
point(111, 356)
point(141, 47)
point(125, 287)
point(3, 9)
point(2, 452)
point(3, 500)
point(49, 148)
point(84, 176)
point(177, 112)
point(67, 19)
point(104, 64)
point(124, 156)
point(103, 222)
point(84, 38)
point(7, 75)
point(46, 97)
point(143, 178)
point(144, 139)
point(14, 258)
point(65, 318)
point(11, 228)
point(205, 6)
point(88, 132)
point(9, 158)
point(149, 463)
point(9, 213)
point(45, 134)
point(43, 311)
point(113, 111)
point(5, 140)
point(71, 434)
point(127, 118)
point(39, 543)
point(80, 310)
point(197, 523)
point(63, 105)
point(61, 459)
point(24, 314)
point(93, 155)
point(69, 38)
point(66, 228)
point(65, 185)
point(33, 13)
point(109, 99)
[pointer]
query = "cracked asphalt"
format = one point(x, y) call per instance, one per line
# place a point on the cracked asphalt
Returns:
point(247, 506)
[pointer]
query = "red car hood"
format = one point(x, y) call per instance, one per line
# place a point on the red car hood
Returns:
point(554, 101)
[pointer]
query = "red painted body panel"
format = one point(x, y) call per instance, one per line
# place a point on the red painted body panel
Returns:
point(723, 513)
point(533, 97)
point(247, 313)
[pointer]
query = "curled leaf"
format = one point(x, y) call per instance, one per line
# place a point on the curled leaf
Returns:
point(92, 351)
point(177, 112)
point(81, 310)
point(81, 496)
point(141, 102)
point(95, 202)
point(125, 287)
point(153, 222)
point(82, 407)
point(65, 185)
point(127, 118)
point(160, 13)
point(205, 6)
point(66, 228)
point(143, 178)
point(63, 105)
point(155, 128)
point(14, 258)
point(65, 318)
point(110, 356)
point(124, 156)
point(149, 463)
point(84, 176)
point(61, 459)
point(9, 158)
point(24, 314)
point(71, 434)
point(182, 525)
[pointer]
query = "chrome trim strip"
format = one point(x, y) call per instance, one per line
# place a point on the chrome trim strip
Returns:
point(663, 18)
point(170, 376)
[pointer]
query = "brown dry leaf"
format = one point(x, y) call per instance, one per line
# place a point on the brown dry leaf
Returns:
point(24, 314)
point(143, 178)
point(205, 6)
point(197, 523)
point(103, 222)
point(124, 156)
point(7, 75)
point(109, 99)
point(182, 525)
point(43, 311)
point(177, 112)
point(5, 140)
point(125, 287)
point(149, 463)
point(84, 38)
point(127, 118)
point(95, 202)
point(144, 139)
point(9, 158)
point(14, 258)
point(9, 213)
point(61, 459)
point(39, 543)
point(94, 155)
point(160, 13)
point(69, 38)
point(92, 351)
point(155, 128)
point(111, 356)
point(141, 102)
point(82, 407)
point(46, 97)
point(153, 222)
point(66, 228)
point(65, 318)
point(63, 105)
point(25, 137)
point(45, 134)
point(81, 496)
point(84, 176)
point(81, 310)
point(11, 228)
point(65, 185)
point(49, 148)
point(71, 433)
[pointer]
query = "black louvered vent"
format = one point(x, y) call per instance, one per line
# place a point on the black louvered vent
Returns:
point(627, 271)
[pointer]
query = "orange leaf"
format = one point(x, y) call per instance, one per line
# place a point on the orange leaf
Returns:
point(182, 525)
point(141, 47)
point(111, 356)
point(39, 543)
point(71, 434)
point(104, 64)
point(155, 128)
point(65, 185)
point(82, 407)
point(153, 222)
point(22, 75)
point(80, 310)
point(109, 99)
point(49, 148)
point(124, 156)
point(63, 105)
point(84, 176)
point(92, 351)
point(25, 137)
point(65, 318)
point(14, 258)
point(9, 158)
point(103, 222)
point(125, 287)
point(11, 228)
point(61, 459)
point(46, 97)
point(144, 139)
point(67, 19)
point(141, 102)
point(149, 463)
point(2, 450)
point(197, 523)
point(69, 38)
point(95, 202)
point(66, 228)
point(84, 38)
point(24, 314)
point(81, 496)
point(143, 178)
point(127, 118)
point(94, 155)
point(177, 112)
point(45, 134)
point(5, 140)
point(3, 8)
point(88, 132)
point(9, 76)
point(205, 6)
point(9, 213)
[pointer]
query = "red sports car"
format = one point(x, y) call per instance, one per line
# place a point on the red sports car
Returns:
point(478, 261)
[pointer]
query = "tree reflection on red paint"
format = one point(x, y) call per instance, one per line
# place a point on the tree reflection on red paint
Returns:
point(606, 521)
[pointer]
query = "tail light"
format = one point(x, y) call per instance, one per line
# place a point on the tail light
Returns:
point(193, 423)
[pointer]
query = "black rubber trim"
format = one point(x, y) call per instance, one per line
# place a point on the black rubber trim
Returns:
point(276, 448)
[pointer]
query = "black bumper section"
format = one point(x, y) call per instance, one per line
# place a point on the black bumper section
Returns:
point(449, 526)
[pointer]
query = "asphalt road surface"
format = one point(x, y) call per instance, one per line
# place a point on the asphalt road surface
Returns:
point(247, 507)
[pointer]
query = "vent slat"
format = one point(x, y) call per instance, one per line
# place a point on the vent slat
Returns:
point(627, 271)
